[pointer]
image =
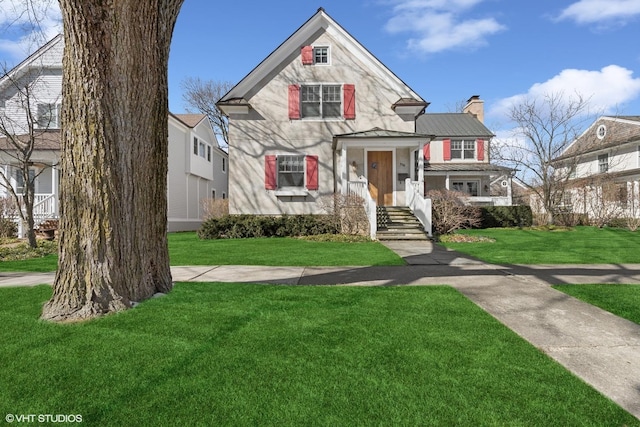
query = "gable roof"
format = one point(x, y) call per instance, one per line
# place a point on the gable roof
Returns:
point(23, 67)
point(320, 22)
point(619, 130)
point(454, 125)
point(189, 120)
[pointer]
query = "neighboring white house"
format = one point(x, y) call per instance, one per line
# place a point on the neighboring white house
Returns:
point(197, 170)
point(197, 166)
point(603, 167)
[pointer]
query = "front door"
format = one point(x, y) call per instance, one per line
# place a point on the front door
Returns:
point(380, 176)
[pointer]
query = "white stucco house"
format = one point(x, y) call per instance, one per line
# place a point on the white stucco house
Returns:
point(198, 168)
point(322, 115)
point(603, 169)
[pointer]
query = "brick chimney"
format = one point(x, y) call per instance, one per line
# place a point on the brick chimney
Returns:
point(475, 106)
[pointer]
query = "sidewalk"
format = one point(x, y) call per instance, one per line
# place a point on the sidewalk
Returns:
point(600, 348)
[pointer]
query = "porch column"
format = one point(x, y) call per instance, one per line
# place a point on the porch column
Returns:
point(54, 188)
point(509, 190)
point(344, 175)
point(447, 184)
point(420, 177)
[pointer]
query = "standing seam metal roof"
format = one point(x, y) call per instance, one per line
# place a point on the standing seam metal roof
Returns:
point(452, 125)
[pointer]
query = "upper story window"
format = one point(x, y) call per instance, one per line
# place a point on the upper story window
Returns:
point(312, 55)
point(603, 163)
point(224, 165)
point(201, 149)
point(48, 116)
point(321, 101)
point(463, 149)
point(321, 55)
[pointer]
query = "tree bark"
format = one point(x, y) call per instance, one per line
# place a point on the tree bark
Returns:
point(113, 244)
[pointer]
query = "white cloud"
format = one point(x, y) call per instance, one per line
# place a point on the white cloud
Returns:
point(25, 29)
point(599, 11)
point(438, 25)
point(606, 89)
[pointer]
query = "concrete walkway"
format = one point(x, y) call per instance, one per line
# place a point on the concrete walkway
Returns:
point(600, 348)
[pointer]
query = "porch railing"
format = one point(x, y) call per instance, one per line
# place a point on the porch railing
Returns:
point(360, 189)
point(419, 205)
point(44, 208)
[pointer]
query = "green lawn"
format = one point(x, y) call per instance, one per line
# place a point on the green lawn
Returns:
point(581, 245)
point(188, 249)
point(621, 300)
point(231, 354)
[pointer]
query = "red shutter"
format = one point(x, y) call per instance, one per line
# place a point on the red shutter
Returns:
point(294, 102)
point(426, 151)
point(307, 55)
point(446, 149)
point(270, 175)
point(349, 95)
point(312, 172)
point(480, 149)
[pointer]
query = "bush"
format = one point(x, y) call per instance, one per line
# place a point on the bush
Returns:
point(215, 208)
point(248, 226)
point(449, 213)
point(347, 211)
point(506, 216)
point(8, 228)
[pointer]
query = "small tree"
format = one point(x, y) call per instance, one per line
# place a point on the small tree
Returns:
point(450, 213)
point(544, 129)
point(346, 211)
point(202, 96)
point(21, 134)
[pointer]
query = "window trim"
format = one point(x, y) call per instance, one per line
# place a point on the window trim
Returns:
point(328, 55)
point(201, 149)
point(603, 163)
point(465, 185)
point(55, 109)
point(321, 86)
point(462, 150)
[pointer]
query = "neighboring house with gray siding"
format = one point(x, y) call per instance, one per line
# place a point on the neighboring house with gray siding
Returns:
point(198, 168)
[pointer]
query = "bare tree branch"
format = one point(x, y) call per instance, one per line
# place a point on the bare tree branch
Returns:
point(201, 96)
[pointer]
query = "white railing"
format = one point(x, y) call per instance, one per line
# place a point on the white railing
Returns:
point(419, 205)
point(487, 200)
point(360, 189)
point(44, 208)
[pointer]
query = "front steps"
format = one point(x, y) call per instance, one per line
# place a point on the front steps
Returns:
point(398, 223)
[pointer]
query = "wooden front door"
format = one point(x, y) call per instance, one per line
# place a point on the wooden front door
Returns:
point(380, 176)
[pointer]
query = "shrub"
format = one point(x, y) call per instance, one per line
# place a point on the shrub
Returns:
point(247, 226)
point(347, 211)
point(449, 213)
point(506, 216)
point(215, 208)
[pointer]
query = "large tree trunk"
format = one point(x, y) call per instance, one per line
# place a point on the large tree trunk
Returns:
point(113, 245)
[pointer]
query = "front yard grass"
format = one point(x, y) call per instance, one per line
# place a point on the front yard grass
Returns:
point(187, 249)
point(579, 245)
point(621, 300)
point(237, 354)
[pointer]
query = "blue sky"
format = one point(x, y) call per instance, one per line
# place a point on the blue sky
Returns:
point(446, 50)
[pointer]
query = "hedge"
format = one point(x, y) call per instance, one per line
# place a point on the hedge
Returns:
point(506, 216)
point(247, 226)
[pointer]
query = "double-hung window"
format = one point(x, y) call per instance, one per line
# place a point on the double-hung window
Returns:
point(321, 101)
point(463, 150)
point(291, 171)
point(603, 163)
